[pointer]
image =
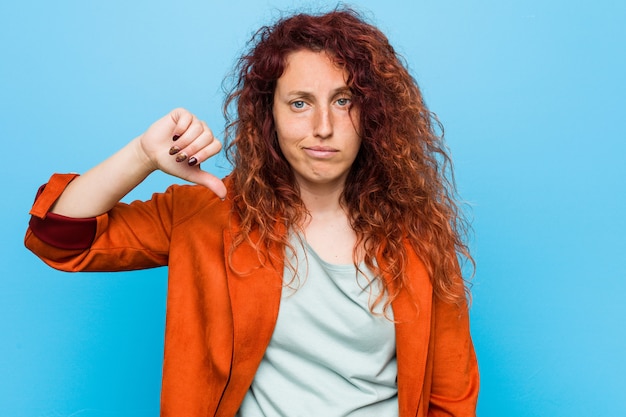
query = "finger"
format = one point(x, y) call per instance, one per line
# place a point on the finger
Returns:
point(208, 180)
point(182, 120)
point(205, 153)
point(195, 137)
point(188, 142)
point(203, 147)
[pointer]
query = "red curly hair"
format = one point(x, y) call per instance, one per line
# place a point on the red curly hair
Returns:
point(400, 186)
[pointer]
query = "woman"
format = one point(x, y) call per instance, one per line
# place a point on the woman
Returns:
point(320, 277)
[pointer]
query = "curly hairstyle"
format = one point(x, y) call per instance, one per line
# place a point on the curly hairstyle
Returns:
point(400, 187)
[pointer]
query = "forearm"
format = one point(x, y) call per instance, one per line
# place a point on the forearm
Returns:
point(100, 188)
point(175, 144)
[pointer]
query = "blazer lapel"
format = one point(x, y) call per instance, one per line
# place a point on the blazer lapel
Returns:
point(255, 293)
point(412, 313)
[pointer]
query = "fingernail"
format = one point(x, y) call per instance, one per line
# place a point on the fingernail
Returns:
point(192, 161)
point(175, 138)
point(181, 157)
point(174, 150)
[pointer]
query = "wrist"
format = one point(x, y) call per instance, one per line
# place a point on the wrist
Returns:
point(141, 159)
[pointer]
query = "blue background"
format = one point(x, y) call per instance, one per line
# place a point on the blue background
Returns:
point(532, 97)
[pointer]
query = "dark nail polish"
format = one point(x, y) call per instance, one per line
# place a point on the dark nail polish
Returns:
point(192, 161)
point(181, 157)
point(175, 138)
point(174, 150)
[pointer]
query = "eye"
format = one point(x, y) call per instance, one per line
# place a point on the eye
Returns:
point(298, 104)
point(344, 101)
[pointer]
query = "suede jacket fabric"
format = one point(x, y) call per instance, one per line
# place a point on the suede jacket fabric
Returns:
point(222, 306)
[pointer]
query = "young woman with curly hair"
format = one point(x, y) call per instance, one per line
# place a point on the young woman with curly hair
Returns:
point(320, 277)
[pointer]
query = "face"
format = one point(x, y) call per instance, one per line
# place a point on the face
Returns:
point(315, 121)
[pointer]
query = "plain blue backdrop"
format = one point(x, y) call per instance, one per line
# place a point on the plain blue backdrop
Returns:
point(532, 96)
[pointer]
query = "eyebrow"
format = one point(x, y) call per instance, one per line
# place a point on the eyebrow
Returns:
point(308, 94)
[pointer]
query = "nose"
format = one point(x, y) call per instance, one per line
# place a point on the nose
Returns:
point(323, 123)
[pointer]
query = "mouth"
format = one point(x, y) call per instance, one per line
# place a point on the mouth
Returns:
point(320, 151)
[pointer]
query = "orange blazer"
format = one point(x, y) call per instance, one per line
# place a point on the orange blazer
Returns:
point(220, 319)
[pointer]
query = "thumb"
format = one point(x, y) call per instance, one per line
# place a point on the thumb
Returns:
point(208, 180)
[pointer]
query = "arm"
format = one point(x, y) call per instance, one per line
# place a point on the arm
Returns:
point(454, 369)
point(129, 236)
point(98, 190)
point(77, 223)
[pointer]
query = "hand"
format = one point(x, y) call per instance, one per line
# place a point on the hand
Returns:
point(177, 144)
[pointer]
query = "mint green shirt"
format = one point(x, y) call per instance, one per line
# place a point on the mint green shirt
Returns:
point(329, 355)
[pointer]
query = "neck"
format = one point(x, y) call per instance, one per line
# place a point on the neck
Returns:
point(320, 200)
point(327, 228)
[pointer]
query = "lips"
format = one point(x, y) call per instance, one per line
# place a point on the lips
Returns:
point(321, 148)
point(320, 151)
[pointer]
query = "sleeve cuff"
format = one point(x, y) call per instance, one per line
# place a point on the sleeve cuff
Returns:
point(57, 230)
point(64, 232)
point(49, 193)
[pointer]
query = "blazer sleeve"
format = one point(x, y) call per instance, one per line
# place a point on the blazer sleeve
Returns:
point(130, 236)
point(454, 368)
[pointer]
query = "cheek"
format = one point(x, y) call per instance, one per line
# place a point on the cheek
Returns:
point(281, 143)
point(285, 145)
point(355, 119)
point(281, 131)
point(290, 132)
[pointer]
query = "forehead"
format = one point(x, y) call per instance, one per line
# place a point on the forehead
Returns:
point(306, 69)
